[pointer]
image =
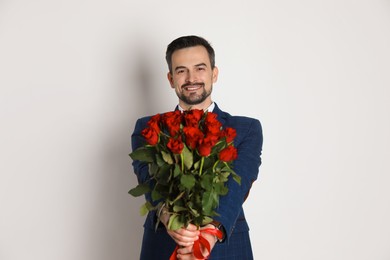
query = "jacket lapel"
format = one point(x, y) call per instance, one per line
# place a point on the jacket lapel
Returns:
point(221, 115)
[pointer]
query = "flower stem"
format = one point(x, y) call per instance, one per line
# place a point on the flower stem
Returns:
point(201, 166)
point(182, 162)
point(215, 165)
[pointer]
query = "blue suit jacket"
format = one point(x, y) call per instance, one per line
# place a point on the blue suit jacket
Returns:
point(248, 142)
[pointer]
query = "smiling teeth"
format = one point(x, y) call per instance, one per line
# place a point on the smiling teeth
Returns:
point(192, 88)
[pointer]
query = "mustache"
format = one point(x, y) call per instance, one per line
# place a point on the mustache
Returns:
point(192, 84)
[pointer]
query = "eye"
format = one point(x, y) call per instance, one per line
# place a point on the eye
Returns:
point(201, 68)
point(180, 71)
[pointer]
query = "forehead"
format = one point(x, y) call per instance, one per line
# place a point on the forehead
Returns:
point(190, 56)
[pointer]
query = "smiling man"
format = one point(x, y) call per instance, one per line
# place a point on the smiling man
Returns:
point(192, 73)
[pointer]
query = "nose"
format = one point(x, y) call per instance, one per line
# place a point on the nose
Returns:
point(190, 77)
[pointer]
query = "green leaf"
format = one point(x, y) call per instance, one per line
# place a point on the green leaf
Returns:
point(161, 189)
point(141, 189)
point(188, 157)
point(187, 180)
point(194, 212)
point(223, 176)
point(167, 157)
point(206, 182)
point(178, 208)
point(197, 165)
point(159, 160)
point(145, 208)
point(145, 154)
point(156, 195)
point(236, 177)
point(207, 202)
point(164, 174)
point(225, 173)
point(153, 169)
point(176, 171)
point(174, 222)
point(220, 188)
point(206, 220)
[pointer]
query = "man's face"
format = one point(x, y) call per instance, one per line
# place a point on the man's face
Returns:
point(192, 77)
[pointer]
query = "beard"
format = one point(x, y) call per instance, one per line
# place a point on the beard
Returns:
point(195, 98)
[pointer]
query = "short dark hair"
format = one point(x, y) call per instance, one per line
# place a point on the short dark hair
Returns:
point(186, 42)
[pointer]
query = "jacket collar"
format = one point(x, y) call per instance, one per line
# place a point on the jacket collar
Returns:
point(221, 115)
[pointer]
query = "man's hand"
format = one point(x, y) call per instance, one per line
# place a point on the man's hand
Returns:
point(184, 236)
point(186, 253)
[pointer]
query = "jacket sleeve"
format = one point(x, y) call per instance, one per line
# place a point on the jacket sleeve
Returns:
point(247, 166)
point(141, 169)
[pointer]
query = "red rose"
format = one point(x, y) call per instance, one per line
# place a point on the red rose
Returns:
point(150, 135)
point(172, 120)
point(214, 129)
point(192, 136)
point(192, 117)
point(228, 154)
point(175, 145)
point(211, 118)
point(212, 125)
point(154, 123)
point(230, 134)
point(206, 144)
point(213, 138)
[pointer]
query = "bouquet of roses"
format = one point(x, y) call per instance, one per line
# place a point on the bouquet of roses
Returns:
point(190, 159)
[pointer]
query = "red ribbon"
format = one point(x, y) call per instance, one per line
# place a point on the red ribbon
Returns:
point(174, 254)
point(201, 242)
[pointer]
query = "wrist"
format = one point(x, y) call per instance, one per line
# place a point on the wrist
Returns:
point(217, 225)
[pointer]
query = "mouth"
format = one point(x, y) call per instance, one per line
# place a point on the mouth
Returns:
point(192, 87)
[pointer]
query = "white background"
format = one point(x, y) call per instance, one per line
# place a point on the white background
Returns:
point(76, 74)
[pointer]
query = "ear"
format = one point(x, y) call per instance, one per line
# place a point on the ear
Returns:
point(170, 79)
point(215, 74)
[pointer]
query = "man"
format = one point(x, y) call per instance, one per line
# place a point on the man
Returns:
point(192, 73)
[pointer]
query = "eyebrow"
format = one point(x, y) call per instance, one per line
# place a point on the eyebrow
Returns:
point(200, 65)
point(197, 65)
point(180, 67)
